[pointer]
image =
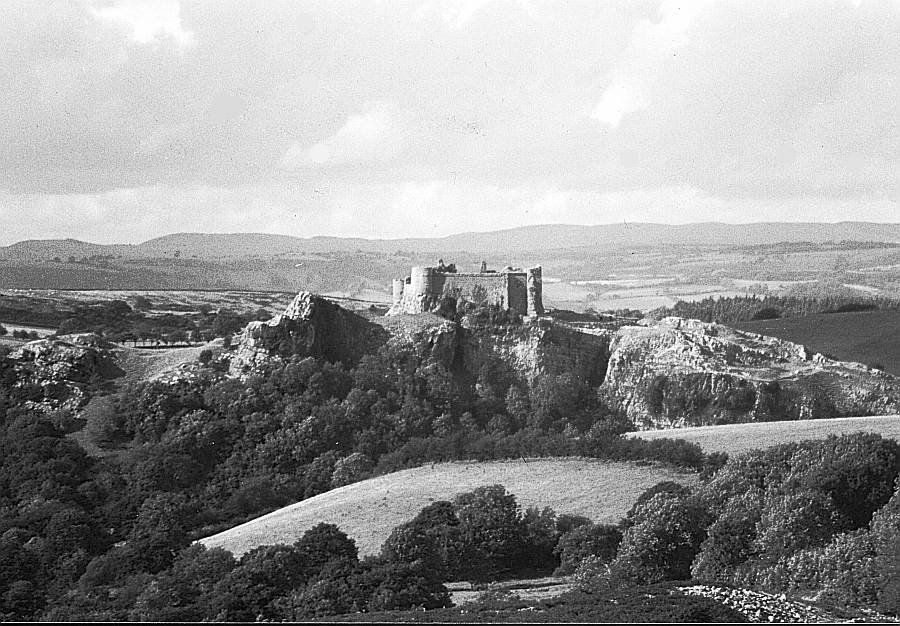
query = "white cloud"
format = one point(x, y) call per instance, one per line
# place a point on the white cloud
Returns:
point(148, 20)
point(367, 136)
point(619, 100)
point(639, 67)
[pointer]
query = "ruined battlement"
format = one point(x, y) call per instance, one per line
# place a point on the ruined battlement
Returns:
point(511, 288)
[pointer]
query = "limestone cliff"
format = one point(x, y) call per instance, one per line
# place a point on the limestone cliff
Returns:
point(309, 326)
point(665, 374)
point(684, 372)
point(542, 347)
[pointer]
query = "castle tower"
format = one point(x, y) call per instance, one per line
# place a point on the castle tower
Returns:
point(397, 288)
point(421, 281)
point(535, 291)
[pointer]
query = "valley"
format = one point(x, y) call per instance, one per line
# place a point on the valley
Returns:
point(222, 427)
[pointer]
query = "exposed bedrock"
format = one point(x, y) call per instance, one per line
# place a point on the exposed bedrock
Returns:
point(309, 326)
point(664, 374)
point(683, 372)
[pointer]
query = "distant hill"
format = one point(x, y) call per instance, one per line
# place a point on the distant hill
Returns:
point(547, 237)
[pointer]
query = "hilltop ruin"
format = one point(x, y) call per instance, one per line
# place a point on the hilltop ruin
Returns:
point(511, 288)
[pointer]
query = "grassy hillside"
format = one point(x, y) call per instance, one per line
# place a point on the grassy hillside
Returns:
point(367, 511)
point(738, 438)
point(870, 337)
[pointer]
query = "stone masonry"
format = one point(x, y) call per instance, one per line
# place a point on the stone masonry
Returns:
point(511, 288)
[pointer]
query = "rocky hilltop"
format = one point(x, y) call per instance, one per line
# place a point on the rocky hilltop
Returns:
point(60, 372)
point(665, 374)
point(680, 372)
point(309, 326)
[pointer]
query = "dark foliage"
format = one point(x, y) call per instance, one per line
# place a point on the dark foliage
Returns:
point(745, 308)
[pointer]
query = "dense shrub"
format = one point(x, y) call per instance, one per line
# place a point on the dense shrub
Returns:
point(664, 538)
point(596, 540)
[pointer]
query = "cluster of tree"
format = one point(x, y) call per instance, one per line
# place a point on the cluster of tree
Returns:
point(193, 458)
point(819, 517)
point(119, 321)
point(319, 574)
point(480, 535)
point(739, 309)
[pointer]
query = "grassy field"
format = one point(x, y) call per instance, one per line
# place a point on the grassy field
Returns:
point(142, 365)
point(737, 438)
point(870, 337)
point(367, 511)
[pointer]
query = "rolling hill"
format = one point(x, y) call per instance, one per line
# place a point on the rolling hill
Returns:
point(368, 510)
point(546, 237)
point(739, 438)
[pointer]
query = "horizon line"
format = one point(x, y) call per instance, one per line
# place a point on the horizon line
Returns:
point(456, 234)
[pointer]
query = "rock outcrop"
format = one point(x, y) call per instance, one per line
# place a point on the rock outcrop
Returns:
point(309, 326)
point(665, 374)
point(681, 372)
point(59, 372)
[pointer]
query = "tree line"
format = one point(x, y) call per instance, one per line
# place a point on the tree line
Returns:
point(737, 309)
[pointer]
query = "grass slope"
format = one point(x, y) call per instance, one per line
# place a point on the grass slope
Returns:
point(368, 510)
point(870, 337)
point(147, 365)
point(738, 438)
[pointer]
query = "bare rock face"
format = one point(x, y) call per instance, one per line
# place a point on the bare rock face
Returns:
point(541, 347)
point(59, 371)
point(309, 326)
point(666, 374)
point(685, 373)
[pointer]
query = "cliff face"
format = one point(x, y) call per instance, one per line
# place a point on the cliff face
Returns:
point(668, 374)
point(309, 326)
point(544, 347)
point(683, 372)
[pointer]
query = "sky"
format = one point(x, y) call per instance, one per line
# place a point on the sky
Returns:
point(123, 120)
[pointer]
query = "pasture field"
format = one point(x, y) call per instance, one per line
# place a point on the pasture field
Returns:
point(368, 510)
point(870, 337)
point(738, 438)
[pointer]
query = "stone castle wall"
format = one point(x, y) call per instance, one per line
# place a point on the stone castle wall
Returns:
point(514, 290)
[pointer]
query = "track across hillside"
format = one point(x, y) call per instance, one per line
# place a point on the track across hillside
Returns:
point(737, 438)
point(368, 510)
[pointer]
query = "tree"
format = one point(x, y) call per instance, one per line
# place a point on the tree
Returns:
point(667, 532)
point(324, 543)
point(598, 540)
point(351, 469)
point(490, 525)
point(160, 531)
point(264, 574)
point(184, 592)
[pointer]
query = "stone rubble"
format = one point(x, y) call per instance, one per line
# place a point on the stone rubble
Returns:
point(760, 607)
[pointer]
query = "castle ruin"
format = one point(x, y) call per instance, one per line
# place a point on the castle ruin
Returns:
point(510, 288)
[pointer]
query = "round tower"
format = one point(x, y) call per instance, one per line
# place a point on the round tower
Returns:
point(421, 280)
point(397, 289)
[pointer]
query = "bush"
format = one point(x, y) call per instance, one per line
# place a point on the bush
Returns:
point(324, 543)
point(766, 313)
point(490, 524)
point(351, 469)
point(592, 540)
point(666, 536)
